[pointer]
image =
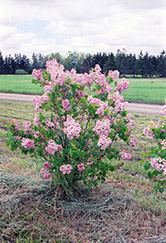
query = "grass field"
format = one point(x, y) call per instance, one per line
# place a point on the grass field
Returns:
point(125, 209)
point(19, 84)
point(152, 90)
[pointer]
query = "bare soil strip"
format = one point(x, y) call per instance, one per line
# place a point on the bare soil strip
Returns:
point(142, 108)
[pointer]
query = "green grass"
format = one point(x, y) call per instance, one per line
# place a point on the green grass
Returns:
point(150, 90)
point(19, 84)
point(125, 204)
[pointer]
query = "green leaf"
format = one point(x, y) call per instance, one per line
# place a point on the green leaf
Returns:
point(150, 175)
point(146, 166)
point(143, 154)
point(140, 163)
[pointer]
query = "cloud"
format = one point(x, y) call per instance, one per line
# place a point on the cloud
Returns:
point(83, 26)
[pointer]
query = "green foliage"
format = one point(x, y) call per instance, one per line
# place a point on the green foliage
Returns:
point(20, 72)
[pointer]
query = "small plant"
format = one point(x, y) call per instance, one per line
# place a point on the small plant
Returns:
point(155, 159)
point(20, 72)
point(80, 120)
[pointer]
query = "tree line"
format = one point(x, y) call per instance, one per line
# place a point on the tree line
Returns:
point(143, 65)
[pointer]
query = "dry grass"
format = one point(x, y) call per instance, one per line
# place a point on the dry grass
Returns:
point(109, 213)
point(125, 209)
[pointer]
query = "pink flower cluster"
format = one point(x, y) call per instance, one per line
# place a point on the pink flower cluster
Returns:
point(118, 100)
point(102, 128)
point(101, 81)
point(66, 169)
point(159, 164)
point(27, 143)
point(124, 155)
point(36, 120)
point(46, 174)
point(66, 105)
point(50, 125)
point(102, 105)
point(71, 128)
point(56, 72)
point(148, 130)
point(53, 147)
point(38, 101)
point(81, 167)
point(163, 109)
point(133, 142)
point(27, 126)
point(114, 74)
point(89, 162)
point(15, 124)
point(122, 85)
point(104, 142)
point(163, 143)
point(38, 74)
point(46, 165)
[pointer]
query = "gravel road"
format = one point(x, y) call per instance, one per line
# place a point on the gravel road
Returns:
point(132, 107)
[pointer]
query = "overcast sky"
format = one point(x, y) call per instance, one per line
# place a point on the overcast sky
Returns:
point(89, 26)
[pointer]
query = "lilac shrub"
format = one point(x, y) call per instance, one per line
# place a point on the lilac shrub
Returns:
point(81, 119)
point(155, 160)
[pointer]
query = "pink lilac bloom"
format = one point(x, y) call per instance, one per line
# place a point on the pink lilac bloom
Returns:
point(49, 87)
point(66, 105)
point(80, 93)
point(163, 109)
point(128, 116)
point(71, 128)
point(46, 165)
point(116, 97)
point(102, 128)
point(15, 124)
point(36, 120)
point(114, 74)
point(102, 108)
point(159, 164)
point(46, 174)
point(133, 142)
point(148, 130)
point(55, 121)
point(38, 74)
point(49, 124)
point(66, 169)
point(97, 68)
point(93, 101)
point(89, 162)
point(122, 85)
point(38, 101)
point(124, 155)
point(164, 144)
point(131, 124)
point(104, 142)
point(81, 167)
point(37, 134)
point(27, 126)
point(53, 147)
point(120, 106)
point(27, 143)
point(17, 138)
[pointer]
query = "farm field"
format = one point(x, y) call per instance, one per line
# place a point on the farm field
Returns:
point(150, 90)
point(125, 209)
point(19, 84)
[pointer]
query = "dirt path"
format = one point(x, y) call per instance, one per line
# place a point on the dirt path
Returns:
point(132, 107)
